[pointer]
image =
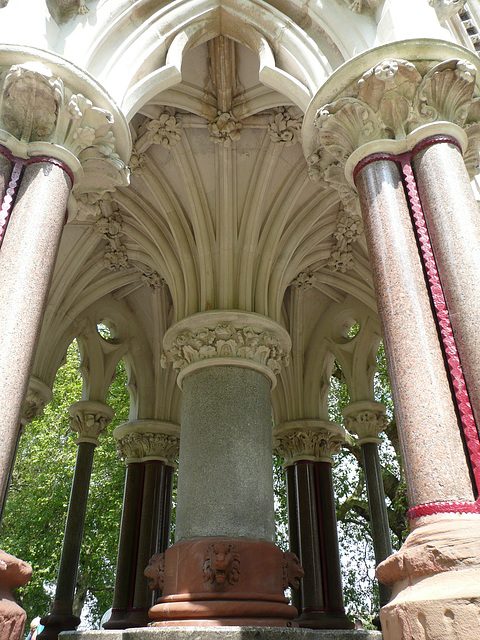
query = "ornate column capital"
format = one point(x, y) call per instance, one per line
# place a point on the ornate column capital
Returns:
point(38, 396)
point(365, 420)
point(89, 419)
point(389, 107)
point(227, 338)
point(315, 440)
point(50, 108)
point(144, 440)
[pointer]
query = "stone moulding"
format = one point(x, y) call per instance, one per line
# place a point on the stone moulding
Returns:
point(42, 113)
point(227, 338)
point(314, 440)
point(89, 419)
point(366, 420)
point(143, 440)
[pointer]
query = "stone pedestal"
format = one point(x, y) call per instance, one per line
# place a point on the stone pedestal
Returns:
point(224, 568)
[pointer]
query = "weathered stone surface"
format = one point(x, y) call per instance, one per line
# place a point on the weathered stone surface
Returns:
point(225, 633)
point(13, 573)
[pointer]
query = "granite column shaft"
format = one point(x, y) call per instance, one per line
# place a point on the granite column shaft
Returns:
point(453, 222)
point(27, 260)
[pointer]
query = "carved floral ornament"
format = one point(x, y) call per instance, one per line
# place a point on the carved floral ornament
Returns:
point(37, 107)
point(308, 440)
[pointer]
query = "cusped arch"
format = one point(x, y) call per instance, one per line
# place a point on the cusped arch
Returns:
point(139, 53)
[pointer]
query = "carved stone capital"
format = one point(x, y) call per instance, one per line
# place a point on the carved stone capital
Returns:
point(390, 107)
point(43, 112)
point(227, 338)
point(366, 420)
point(316, 440)
point(38, 396)
point(89, 419)
point(142, 440)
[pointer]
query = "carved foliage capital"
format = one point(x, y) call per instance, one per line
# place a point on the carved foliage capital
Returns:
point(225, 340)
point(36, 106)
point(285, 125)
point(89, 420)
point(141, 446)
point(394, 98)
point(366, 420)
point(308, 440)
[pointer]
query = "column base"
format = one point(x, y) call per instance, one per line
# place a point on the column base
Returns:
point(127, 619)
point(436, 582)
point(224, 582)
point(324, 620)
point(56, 623)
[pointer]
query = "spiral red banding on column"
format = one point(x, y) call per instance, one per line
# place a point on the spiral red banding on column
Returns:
point(7, 203)
point(435, 508)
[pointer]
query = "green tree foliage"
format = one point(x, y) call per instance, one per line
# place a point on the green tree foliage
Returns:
point(36, 509)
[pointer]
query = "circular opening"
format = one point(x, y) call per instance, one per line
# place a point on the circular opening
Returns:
point(106, 329)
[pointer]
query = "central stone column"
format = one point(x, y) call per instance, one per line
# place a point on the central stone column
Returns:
point(224, 568)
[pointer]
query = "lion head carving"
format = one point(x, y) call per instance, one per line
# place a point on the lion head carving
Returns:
point(292, 571)
point(221, 564)
point(156, 571)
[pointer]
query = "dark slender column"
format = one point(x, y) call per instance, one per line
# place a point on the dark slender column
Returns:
point(293, 535)
point(27, 260)
point(366, 420)
point(428, 427)
point(307, 447)
point(382, 545)
point(150, 448)
point(453, 222)
point(127, 547)
point(154, 530)
point(89, 419)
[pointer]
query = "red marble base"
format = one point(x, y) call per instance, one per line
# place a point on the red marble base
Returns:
point(225, 582)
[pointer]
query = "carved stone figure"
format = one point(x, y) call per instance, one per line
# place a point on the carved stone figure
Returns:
point(63, 10)
point(222, 564)
point(292, 571)
point(13, 573)
point(156, 571)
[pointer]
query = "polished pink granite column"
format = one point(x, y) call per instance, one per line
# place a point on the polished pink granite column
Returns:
point(27, 259)
point(453, 222)
point(427, 424)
